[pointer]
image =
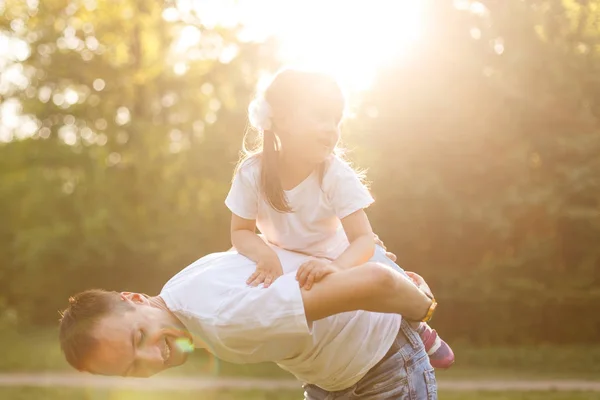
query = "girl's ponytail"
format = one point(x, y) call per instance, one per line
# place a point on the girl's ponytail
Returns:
point(270, 182)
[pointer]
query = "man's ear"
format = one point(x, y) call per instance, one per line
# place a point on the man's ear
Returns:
point(135, 298)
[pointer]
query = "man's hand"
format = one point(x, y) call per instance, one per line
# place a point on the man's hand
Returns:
point(421, 284)
point(313, 271)
point(388, 254)
point(267, 270)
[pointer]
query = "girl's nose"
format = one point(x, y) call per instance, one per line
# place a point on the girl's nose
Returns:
point(329, 126)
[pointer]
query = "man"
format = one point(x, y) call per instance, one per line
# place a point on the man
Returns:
point(318, 335)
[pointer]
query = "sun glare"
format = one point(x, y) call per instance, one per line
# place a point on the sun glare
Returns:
point(348, 38)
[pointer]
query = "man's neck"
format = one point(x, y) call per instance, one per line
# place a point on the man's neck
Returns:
point(158, 302)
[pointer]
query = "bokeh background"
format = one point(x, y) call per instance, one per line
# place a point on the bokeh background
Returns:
point(477, 121)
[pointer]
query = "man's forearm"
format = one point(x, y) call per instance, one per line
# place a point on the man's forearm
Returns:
point(369, 287)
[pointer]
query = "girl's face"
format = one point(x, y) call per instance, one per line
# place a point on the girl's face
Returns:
point(311, 132)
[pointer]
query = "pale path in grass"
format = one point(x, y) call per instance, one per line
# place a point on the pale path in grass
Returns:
point(189, 383)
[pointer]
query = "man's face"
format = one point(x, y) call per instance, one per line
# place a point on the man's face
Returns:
point(138, 343)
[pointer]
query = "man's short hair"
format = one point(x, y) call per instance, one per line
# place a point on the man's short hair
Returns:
point(79, 320)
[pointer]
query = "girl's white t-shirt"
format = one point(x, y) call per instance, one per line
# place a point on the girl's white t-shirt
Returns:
point(314, 227)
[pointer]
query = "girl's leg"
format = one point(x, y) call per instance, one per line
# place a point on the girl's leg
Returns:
point(440, 353)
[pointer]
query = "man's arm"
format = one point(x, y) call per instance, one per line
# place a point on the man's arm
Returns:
point(369, 287)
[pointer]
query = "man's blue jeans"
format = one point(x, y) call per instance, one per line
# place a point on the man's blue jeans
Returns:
point(403, 374)
point(380, 257)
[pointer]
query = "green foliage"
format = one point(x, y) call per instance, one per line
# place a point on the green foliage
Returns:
point(123, 184)
point(482, 148)
point(484, 159)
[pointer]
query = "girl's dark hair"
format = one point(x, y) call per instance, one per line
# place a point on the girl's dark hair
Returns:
point(289, 89)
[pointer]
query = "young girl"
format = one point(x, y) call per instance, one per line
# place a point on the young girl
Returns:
point(301, 194)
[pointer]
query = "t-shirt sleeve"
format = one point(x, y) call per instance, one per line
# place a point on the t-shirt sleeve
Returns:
point(345, 190)
point(212, 292)
point(242, 199)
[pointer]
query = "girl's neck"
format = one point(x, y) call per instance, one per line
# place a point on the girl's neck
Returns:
point(293, 171)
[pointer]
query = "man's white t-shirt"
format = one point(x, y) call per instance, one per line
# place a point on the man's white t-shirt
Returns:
point(314, 227)
point(242, 324)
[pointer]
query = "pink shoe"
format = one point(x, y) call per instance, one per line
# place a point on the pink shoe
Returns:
point(440, 354)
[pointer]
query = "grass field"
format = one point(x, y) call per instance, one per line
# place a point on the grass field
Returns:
point(86, 394)
point(39, 351)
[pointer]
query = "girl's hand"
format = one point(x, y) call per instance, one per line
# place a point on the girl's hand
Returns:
point(313, 271)
point(267, 270)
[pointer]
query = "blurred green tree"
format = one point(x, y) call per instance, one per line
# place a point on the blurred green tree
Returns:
point(482, 147)
point(483, 152)
point(139, 112)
